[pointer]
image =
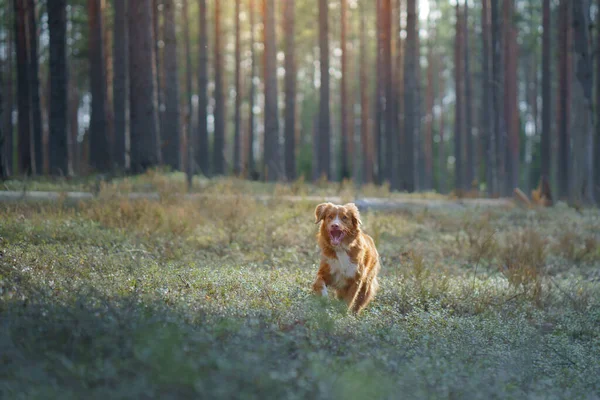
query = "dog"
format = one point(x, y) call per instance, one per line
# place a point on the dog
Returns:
point(349, 258)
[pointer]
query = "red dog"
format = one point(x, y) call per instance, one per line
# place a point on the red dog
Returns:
point(349, 259)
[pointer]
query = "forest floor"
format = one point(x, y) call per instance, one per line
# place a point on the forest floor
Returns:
point(210, 298)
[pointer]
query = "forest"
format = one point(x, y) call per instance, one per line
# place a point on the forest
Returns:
point(474, 98)
point(164, 172)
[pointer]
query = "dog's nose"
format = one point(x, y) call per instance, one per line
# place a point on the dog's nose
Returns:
point(335, 226)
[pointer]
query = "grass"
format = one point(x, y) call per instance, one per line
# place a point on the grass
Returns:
point(210, 299)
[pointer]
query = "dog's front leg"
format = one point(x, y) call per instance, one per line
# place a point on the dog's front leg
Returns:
point(322, 280)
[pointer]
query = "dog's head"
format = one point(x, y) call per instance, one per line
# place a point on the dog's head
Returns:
point(341, 224)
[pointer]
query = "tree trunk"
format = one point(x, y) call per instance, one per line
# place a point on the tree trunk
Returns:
point(377, 98)
point(546, 156)
point(142, 93)
point(585, 76)
point(99, 156)
point(158, 67)
point(429, 105)
point(597, 143)
point(564, 98)
point(470, 172)
point(324, 168)
point(219, 113)
point(23, 88)
point(410, 88)
point(442, 159)
point(34, 82)
point(189, 166)
point(3, 174)
point(202, 153)
point(250, 168)
point(487, 111)
point(391, 170)
point(108, 63)
point(497, 87)
point(365, 137)
point(345, 168)
point(290, 92)
point(57, 24)
point(400, 142)
point(120, 55)
point(237, 140)
point(171, 132)
point(459, 172)
point(511, 110)
point(7, 124)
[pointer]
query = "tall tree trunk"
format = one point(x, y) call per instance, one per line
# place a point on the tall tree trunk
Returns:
point(345, 168)
point(272, 164)
point(23, 88)
point(120, 55)
point(57, 24)
point(459, 172)
point(470, 171)
point(158, 67)
point(497, 87)
point(546, 157)
point(585, 76)
point(511, 110)
point(442, 159)
point(410, 88)
point(142, 92)
point(250, 168)
point(219, 113)
point(189, 166)
point(487, 89)
point(400, 142)
point(237, 139)
point(290, 92)
point(7, 124)
point(108, 63)
point(429, 105)
point(34, 82)
point(391, 170)
point(365, 137)
point(378, 97)
point(324, 168)
point(3, 174)
point(202, 153)
point(171, 132)
point(564, 98)
point(99, 156)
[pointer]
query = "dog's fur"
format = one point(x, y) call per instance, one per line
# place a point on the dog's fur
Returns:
point(349, 259)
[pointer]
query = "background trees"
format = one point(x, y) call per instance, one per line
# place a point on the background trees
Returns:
point(488, 69)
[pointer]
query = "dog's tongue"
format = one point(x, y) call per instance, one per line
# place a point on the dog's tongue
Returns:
point(336, 236)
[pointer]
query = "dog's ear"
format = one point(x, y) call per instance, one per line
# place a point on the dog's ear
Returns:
point(320, 211)
point(354, 213)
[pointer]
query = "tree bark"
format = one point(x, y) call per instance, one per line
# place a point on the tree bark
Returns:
point(237, 140)
point(189, 166)
point(324, 164)
point(57, 24)
point(365, 137)
point(158, 67)
point(585, 75)
point(219, 113)
point(391, 170)
point(429, 105)
point(378, 97)
point(487, 111)
point(497, 88)
point(7, 123)
point(442, 159)
point(597, 142)
point(23, 88)
point(470, 172)
point(120, 55)
point(459, 172)
point(202, 153)
point(410, 88)
point(250, 168)
point(546, 156)
point(99, 156)
point(34, 82)
point(511, 111)
point(564, 99)
point(143, 91)
point(171, 132)
point(290, 92)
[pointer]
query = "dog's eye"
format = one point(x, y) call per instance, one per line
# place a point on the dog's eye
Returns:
point(344, 218)
point(330, 217)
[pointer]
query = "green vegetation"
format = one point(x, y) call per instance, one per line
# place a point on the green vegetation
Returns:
point(210, 299)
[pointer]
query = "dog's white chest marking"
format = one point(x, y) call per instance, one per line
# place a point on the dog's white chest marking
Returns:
point(341, 268)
